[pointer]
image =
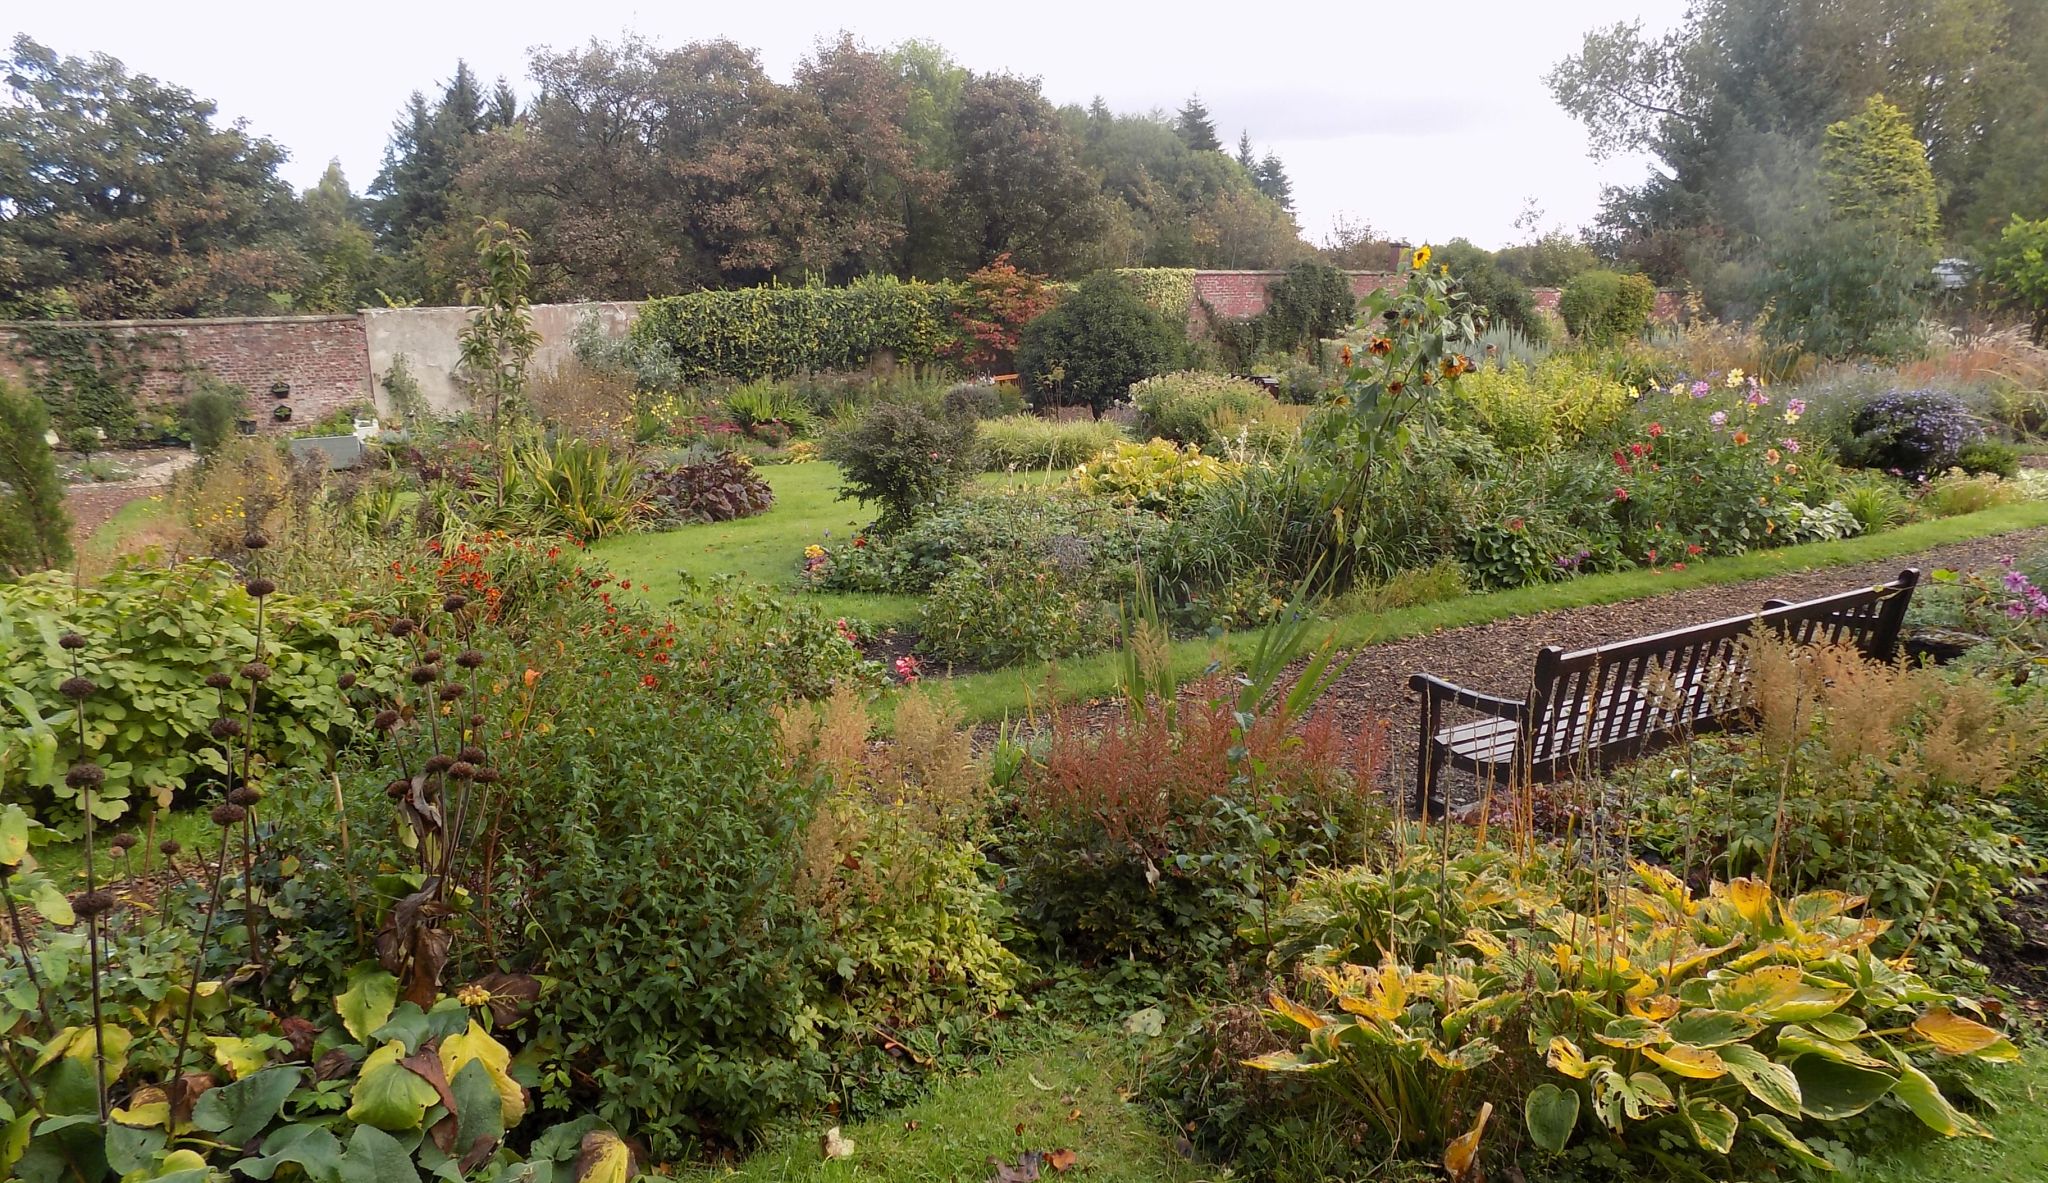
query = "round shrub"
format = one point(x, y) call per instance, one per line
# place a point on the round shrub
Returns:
point(904, 458)
point(209, 415)
point(1097, 342)
point(973, 400)
point(1989, 455)
point(1602, 307)
point(1911, 431)
point(1009, 607)
point(1184, 406)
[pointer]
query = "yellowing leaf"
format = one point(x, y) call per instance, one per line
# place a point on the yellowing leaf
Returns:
point(1696, 1063)
point(1655, 1007)
point(1953, 1035)
point(368, 1003)
point(387, 1094)
point(476, 1044)
point(1462, 1155)
point(148, 1107)
point(1779, 994)
point(603, 1158)
point(1292, 1010)
point(240, 1057)
point(1751, 899)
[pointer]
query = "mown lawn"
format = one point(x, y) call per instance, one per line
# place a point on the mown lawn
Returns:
point(768, 548)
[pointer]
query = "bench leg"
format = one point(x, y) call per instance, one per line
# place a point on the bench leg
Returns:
point(1427, 762)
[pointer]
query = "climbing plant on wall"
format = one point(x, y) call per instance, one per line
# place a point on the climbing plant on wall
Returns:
point(87, 376)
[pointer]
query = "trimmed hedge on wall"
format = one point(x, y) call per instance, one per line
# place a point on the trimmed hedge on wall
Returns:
point(1169, 291)
point(773, 332)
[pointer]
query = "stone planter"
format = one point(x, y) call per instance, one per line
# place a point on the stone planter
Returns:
point(335, 451)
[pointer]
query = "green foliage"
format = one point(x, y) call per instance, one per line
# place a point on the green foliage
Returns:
point(1309, 304)
point(1158, 475)
point(575, 487)
point(1994, 456)
point(772, 332)
point(976, 400)
point(1097, 342)
point(1027, 442)
point(35, 531)
point(1185, 406)
point(498, 344)
point(210, 414)
point(2019, 264)
point(1957, 492)
point(706, 487)
point(1555, 403)
point(1841, 288)
point(1169, 291)
point(1505, 298)
point(88, 376)
point(1606, 307)
point(153, 636)
point(1007, 608)
point(904, 458)
point(1875, 171)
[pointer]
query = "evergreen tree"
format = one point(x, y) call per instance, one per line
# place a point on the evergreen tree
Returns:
point(429, 145)
point(1875, 168)
point(1271, 178)
point(35, 532)
point(1196, 129)
point(1244, 154)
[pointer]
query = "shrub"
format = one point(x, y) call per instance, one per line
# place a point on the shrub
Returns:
point(1095, 344)
point(1313, 301)
point(973, 400)
point(575, 487)
point(1605, 307)
point(1876, 503)
point(1911, 432)
point(770, 332)
point(1555, 403)
point(990, 310)
point(1506, 300)
point(1026, 442)
point(1089, 542)
point(1157, 475)
point(1183, 407)
point(2019, 264)
point(1956, 492)
point(35, 531)
point(719, 487)
point(768, 411)
point(210, 413)
point(904, 458)
point(1009, 607)
point(1996, 457)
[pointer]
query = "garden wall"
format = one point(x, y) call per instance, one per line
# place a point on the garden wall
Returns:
point(430, 339)
point(321, 358)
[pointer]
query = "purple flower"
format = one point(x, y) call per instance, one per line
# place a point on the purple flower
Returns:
point(1791, 445)
point(1701, 390)
point(1719, 419)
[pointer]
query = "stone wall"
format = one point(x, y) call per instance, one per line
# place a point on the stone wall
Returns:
point(430, 341)
point(320, 359)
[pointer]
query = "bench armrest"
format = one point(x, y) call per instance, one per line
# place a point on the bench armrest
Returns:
point(1435, 691)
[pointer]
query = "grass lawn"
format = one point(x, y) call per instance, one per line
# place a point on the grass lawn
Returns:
point(768, 547)
point(1066, 1097)
point(2021, 1126)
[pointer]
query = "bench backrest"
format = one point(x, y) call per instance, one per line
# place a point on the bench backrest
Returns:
point(1615, 701)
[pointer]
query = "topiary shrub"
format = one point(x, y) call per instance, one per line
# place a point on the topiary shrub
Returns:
point(1184, 406)
point(209, 415)
point(1097, 342)
point(904, 458)
point(35, 532)
point(1602, 307)
point(1911, 432)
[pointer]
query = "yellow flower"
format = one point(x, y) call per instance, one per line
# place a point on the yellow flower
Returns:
point(1734, 378)
point(1421, 262)
point(814, 551)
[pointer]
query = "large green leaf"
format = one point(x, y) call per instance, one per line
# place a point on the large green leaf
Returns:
point(1795, 1041)
point(1832, 1090)
point(1712, 1123)
point(1767, 1080)
point(1925, 1100)
point(387, 1094)
point(1713, 1028)
point(1774, 1128)
point(368, 1002)
point(376, 1157)
point(1551, 1113)
point(480, 1119)
point(314, 1149)
point(239, 1111)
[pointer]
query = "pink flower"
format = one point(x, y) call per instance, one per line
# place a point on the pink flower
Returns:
point(1620, 494)
point(1719, 419)
point(907, 668)
point(1656, 430)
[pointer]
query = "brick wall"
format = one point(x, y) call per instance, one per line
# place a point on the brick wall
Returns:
point(323, 359)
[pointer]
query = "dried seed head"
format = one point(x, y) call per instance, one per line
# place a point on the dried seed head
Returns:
point(254, 541)
point(462, 770)
point(85, 775)
point(403, 626)
point(476, 720)
point(423, 674)
point(123, 843)
point(260, 587)
point(347, 682)
point(93, 904)
point(219, 681)
point(170, 847)
point(451, 691)
point(470, 659)
point(487, 776)
point(439, 763)
point(256, 671)
point(225, 728)
point(433, 655)
point(229, 814)
point(472, 753)
point(454, 603)
point(76, 688)
point(397, 788)
point(386, 719)
point(245, 796)
point(71, 641)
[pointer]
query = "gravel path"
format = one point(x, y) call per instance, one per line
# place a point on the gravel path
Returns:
point(1496, 658)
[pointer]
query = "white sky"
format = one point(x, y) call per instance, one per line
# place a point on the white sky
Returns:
point(1426, 120)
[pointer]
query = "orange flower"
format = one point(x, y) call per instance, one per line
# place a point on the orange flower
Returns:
point(1344, 355)
point(530, 677)
point(1380, 347)
point(1741, 438)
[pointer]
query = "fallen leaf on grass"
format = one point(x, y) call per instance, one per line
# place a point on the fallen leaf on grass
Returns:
point(833, 1145)
point(1024, 1170)
point(1063, 1159)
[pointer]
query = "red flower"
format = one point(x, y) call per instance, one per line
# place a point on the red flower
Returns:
point(1515, 524)
point(648, 681)
point(1693, 548)
point(1638, 450)
point(1678, 566)
point(1620, 494)
point(1656, 429)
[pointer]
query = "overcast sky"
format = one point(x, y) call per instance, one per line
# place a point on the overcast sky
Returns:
point(1425, 120)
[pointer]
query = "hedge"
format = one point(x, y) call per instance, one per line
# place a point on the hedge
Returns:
point(1170, 291)
point(773, 332)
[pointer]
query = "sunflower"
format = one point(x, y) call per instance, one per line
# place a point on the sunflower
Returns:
point(1421, 262)
point(1380, 347)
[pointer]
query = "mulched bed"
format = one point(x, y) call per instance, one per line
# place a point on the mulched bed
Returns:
point(2020, 962)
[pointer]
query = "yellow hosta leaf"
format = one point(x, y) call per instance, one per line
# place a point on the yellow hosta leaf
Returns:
point(1295, 1011)
point(477, 1044)
point(241, 1057)
point(1487, 944)
point(1462, 1155)
point(603, 1158)
point(1656, 1007)
point(1953, 1035)
point(1565, 1056)
point(1751, 899)
point(1697, 1063)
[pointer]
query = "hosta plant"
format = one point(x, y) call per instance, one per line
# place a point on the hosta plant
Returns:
point(1158, 475)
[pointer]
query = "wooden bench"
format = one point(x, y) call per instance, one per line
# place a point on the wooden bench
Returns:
point(1595, 707)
